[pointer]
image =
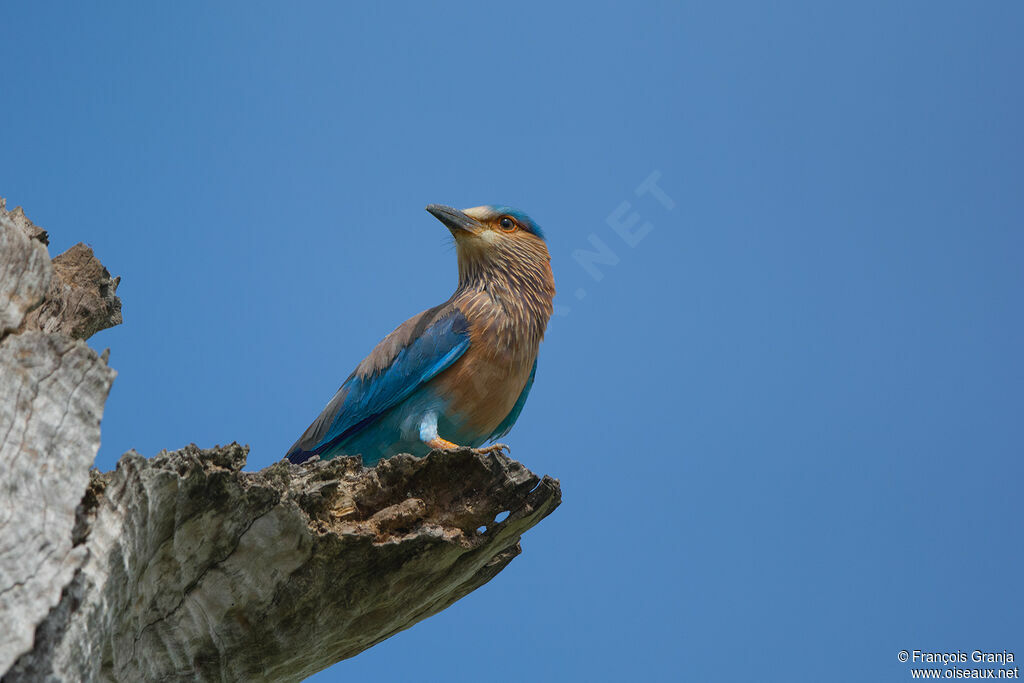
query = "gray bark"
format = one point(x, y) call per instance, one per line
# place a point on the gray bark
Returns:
point(182, 566)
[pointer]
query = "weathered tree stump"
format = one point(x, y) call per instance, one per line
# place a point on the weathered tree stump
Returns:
point(183, 565)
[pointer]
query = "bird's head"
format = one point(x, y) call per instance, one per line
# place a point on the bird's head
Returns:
point(497, 242)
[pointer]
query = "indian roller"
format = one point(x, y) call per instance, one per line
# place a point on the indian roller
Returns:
point(457, 374)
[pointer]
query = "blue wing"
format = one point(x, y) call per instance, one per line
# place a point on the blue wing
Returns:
point(407, 358)
point(513, 415)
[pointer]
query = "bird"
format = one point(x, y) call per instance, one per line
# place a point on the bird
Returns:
point(457, 374)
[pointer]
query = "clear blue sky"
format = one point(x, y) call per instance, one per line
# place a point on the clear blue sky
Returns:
point(787, 421)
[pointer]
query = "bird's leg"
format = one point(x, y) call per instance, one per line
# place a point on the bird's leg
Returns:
point(445, 445)
point(429, 436)
point(442, 444)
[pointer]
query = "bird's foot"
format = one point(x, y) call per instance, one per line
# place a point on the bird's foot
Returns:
point(495, 448)
point(446, 445)
point(442, 444)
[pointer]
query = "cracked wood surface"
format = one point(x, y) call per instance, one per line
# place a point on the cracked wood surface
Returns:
point(25, 269)
point(196, 569)
point(182, 566)
point(52, 391)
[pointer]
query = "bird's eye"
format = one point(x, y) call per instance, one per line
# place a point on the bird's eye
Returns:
point(507, 224)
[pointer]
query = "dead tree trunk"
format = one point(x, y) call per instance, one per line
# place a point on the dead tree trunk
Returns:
point(183, 565)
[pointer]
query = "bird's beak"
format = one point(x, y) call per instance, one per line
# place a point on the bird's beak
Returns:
point(455, 220)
